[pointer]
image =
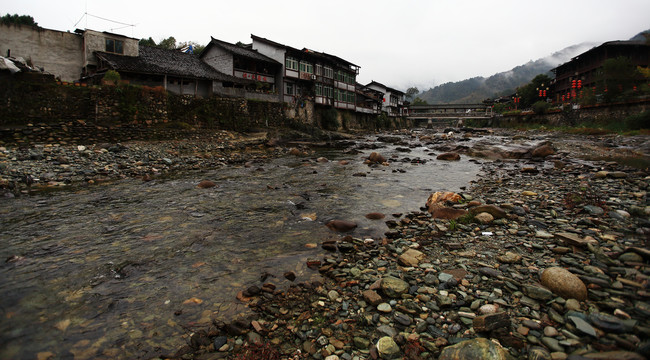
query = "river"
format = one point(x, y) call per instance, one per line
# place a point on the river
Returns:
point(126, 269)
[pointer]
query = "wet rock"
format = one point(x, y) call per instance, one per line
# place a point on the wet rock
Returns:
point(290, 275)
point(394, 287)
point(495, 211)
point(478, 348)
point(491, 322)
point(219, 342)
point(341, 225)
point(375, 216)
point(509, 258)
point(611, 324)
point(448, 156)
point(543, 151)
point(448, 213)
point(440, 199)
point(384, 307)
point(411, 257)
point(387, 348)
point(583, 326)
point(563, 283)
point(206, 184)
point(376, 158)
point(614, 355)
point(538, 292)
point(539, 353)
point(484, 218)
point(371, 297)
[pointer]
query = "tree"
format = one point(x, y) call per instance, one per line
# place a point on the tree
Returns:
point(18, 20)
point(418, 101)
point(411, 92)
point(169, 43)
point(529, 93)
point(617, 77)
point(147, 42)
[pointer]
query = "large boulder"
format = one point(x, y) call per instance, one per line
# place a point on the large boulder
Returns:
point(479, 348)
point(440, 198)
point(450, 156)
point(387, 348)
point(448, 213)
point(493, 210)
point(376, 158)
point(394, 287)
point(341, 225)
point(411, 257)
point(563, 283)
point(543, 151)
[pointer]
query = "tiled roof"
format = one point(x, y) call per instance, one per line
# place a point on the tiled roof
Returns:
point(170, 62)
point(241, 51)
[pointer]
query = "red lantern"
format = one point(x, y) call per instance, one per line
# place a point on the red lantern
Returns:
point(540, 93)
point(573, 84)
point(544, 93)
point(562, 97)
point(579, 84)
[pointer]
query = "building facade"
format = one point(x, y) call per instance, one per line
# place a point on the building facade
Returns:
point(243, 62)
point(584, 70)
point(307, 74)
point(392, 100)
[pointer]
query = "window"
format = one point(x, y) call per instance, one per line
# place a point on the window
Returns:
point(319, 70)
point(319, 90)
point(329, 72)
point(291, 64)
point(290, 90)
point(328, 91)
point(306, 67)
point(115, 46)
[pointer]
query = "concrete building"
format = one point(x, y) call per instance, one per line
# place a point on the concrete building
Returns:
point(392, 101)
point(68, 56)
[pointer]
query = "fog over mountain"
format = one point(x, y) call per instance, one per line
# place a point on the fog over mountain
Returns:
point(479, 88)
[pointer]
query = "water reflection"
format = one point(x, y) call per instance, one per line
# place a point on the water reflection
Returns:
point(122, 270)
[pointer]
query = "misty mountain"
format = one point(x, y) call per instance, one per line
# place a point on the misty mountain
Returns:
point(479, 88)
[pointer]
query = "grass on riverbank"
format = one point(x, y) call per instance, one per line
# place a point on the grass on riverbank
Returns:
point(638, 124)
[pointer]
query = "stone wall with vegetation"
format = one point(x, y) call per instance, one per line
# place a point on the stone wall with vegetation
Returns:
point(633, 115)
point(33, 106)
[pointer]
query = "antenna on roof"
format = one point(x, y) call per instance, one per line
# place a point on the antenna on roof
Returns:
point(86, 15)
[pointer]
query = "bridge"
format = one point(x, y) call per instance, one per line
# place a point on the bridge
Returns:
point(447, 114)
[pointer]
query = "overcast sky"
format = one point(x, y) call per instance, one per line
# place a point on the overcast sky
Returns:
point(400, 43)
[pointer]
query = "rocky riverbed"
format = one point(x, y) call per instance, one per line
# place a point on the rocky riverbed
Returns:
point(56, 165)
point(543, 257)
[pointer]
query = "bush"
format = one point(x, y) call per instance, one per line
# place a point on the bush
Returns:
point(112, 76)
point(329, 119)
point(541, 107)
point(638, 121)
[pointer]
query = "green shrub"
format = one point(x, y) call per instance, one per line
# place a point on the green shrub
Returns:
point(329, 119)
point(638, 121)
point(541, 107)
point(112, 76)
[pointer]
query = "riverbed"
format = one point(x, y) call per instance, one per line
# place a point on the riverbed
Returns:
point(124, 269)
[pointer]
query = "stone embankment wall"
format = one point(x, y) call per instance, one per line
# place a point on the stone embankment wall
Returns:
point(570, 117)
point(34, 108)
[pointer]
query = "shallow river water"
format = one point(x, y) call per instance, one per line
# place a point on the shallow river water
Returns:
point(124, 270)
